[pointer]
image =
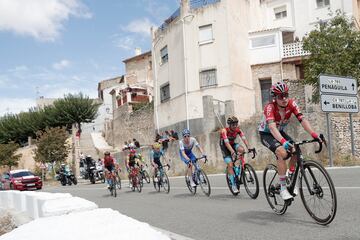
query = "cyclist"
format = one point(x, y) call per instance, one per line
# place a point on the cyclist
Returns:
point(109, 164)
point(155, 156)
point(272, 131)
point(132, 161)
point(230, 148)
point(186, 154)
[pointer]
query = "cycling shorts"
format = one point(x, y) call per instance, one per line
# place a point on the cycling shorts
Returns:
point(226, 153)
point(268, 140)
point(189, 154)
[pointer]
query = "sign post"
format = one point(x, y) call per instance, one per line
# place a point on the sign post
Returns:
point(338, 94)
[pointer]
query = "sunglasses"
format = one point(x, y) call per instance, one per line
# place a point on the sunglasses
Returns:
point(186, 136)
point(282, 96)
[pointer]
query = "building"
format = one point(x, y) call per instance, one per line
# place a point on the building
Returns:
point(231, 50)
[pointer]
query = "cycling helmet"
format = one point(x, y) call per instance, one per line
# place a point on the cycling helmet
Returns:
point(232, 120)
point(156, 145)
point(186, 132)
point(106, 153)
point(278, 89)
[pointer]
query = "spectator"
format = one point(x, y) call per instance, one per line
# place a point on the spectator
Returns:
point(174, 135)
point(136, 143)
point(131, 144)
point(126, 146)
point(165, 141)
point(157, 137)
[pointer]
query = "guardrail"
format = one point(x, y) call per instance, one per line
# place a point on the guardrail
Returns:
point(43, 204)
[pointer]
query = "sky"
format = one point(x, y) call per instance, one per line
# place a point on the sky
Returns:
point(53, 47)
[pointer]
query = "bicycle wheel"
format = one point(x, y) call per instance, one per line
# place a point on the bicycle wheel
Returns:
point(228, 181)
point(272, 190)
point(250, 181)
point(113, 187)
point(204, 182)
point(118, 181)
point(138, 183)
point(156, 183)
point(319, 196)
point(165, 183)
point(191, 189)
point(146, 176)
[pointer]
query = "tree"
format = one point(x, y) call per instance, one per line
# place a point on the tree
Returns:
point(335, 49)
point(7, 155)
point(75, 109)
point(52, 145)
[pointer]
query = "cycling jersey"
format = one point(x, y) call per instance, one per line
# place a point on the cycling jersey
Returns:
point(156, 154)
point(109, 161)
point(132, 160)
point(188, 147)
point(272, 114)
point(227, 135)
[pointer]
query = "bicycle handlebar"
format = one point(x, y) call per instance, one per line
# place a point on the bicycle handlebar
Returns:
point(202, 158)
point(321, 136)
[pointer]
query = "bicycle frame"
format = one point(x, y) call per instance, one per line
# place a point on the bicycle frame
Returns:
point(300, 164)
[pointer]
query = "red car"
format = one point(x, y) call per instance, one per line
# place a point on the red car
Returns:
point(20, 180)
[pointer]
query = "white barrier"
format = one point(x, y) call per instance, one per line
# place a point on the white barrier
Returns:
point(43, 204)
point(7, 199)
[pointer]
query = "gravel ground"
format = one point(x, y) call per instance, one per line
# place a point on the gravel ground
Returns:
point(6, 222)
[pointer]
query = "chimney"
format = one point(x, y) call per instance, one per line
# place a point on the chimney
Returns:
point(137, 51)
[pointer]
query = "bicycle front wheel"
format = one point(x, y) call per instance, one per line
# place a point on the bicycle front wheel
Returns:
point(250, 181)
point(165, 183)
point(113, 187)
point(317, 193)
point(118, 181)
point(146, 176)
point(191, 189)
point(272, 189)
point(138, 183)
point(204, 182)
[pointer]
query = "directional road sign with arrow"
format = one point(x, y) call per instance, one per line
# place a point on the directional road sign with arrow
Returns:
point(336, 103)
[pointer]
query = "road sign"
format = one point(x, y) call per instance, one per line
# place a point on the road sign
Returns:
point(336, 103)
point(337, 85)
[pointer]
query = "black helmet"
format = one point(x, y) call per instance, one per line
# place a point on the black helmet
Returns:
point(232, 120)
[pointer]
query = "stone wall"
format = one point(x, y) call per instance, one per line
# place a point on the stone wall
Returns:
point(126, 126)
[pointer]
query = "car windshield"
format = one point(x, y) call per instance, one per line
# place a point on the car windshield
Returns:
point(22, 174)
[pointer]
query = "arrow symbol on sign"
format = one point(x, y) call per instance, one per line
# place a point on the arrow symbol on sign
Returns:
point(326, 103)
point(353, 85)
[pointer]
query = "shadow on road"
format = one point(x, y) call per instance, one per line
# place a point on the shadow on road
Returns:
point(265, 218)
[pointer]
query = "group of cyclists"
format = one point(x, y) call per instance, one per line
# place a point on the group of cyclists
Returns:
point(272, 133)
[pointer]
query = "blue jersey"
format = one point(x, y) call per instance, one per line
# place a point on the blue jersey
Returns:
point(156, 154)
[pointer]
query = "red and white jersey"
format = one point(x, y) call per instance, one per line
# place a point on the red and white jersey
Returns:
point(272, 114)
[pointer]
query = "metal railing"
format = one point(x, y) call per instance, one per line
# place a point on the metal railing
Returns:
point(201, 3)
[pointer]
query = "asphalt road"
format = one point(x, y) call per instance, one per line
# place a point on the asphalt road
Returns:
point(223, 216)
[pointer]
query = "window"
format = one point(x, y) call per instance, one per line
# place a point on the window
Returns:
point(322, 3)
point(280, 12)
point(165, 92)
point(208, 78)
point(265, 85)
point(263, 41)
point(164, 55)
point(205, 34)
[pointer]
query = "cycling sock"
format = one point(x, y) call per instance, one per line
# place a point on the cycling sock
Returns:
point(232, 179)
point(282, 180)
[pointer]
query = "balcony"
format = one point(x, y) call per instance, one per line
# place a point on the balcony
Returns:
point(194, 4)
point(294, 49)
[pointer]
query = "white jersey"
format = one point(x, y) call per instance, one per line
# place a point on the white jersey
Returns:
point(188, 147)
